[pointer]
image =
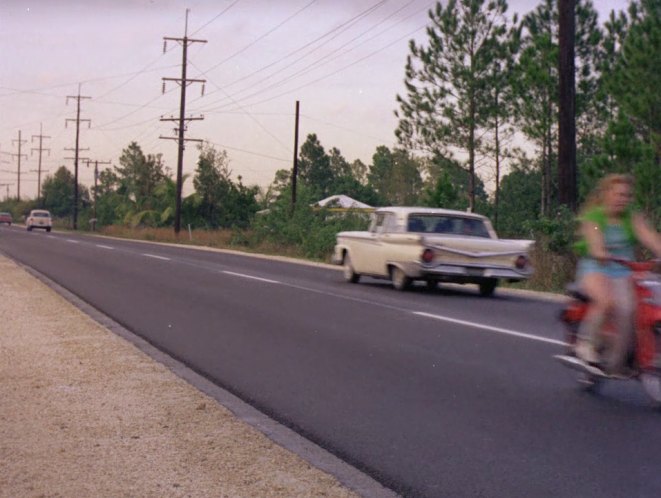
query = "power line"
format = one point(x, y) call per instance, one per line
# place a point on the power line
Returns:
point(216, 17)
point(341, 27)
point(321, 62)
point(328, 75)
point(259, 38)
point(252, 117)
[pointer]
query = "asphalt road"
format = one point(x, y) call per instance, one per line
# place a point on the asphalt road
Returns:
point(435, 394)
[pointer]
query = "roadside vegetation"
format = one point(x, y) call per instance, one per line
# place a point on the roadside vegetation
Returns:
point(477, 130)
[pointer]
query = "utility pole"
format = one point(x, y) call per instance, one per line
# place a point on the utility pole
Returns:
point(2, 161)
point(183, 83)
point(19, 155)
point(78, 98)
point(41, 137)
point(96, 179)
point(7, 186)
point(567, 174)
point(294, 173)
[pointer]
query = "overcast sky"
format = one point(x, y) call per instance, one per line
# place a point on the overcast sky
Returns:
point(342, 59)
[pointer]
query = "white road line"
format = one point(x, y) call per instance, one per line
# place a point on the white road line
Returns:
point(104, 247)
point(490, 328)
point(243, 275)
point(155, 256)
point(73, 241)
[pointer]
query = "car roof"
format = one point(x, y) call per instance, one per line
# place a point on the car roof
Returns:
point(401, 211)
point(39, 211)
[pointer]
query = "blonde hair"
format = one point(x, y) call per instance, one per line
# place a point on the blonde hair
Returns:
point(596, 197)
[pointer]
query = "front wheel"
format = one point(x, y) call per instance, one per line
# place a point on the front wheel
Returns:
point(651, 382)
point(29, 229)
point(400, 280)
point(48, 229)
point(487, 287)
point(350, 274)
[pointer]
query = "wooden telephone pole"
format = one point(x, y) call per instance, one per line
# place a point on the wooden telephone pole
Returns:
point(567, 173)
point(294, 173)
point(20, 143)
point(96, 179)
point(78, 98)
point(41, 149)
point(182, 120)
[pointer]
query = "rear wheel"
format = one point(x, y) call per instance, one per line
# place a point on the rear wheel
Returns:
point(29, 229)
point(400, 280)
point(350, 274)
point(48, 229)
point(487, 287)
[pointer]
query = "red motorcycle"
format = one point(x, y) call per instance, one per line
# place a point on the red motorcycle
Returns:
point(643, 360)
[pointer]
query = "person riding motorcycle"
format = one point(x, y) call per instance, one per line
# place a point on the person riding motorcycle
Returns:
point(609, 230)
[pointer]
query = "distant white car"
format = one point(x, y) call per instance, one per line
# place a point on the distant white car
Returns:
point(39, 218)
point(405, 244)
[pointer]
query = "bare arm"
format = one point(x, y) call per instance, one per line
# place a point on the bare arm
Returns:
point(595, 239)
point(647, 236)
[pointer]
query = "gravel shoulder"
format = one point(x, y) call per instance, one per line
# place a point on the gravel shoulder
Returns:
point(85, 413)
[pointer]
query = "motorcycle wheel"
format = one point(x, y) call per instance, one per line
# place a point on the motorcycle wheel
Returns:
point(652, 385)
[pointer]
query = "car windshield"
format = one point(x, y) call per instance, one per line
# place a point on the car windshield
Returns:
point(41, 215)
point(451, 225)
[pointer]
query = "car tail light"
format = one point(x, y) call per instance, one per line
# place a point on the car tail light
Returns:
point(521, 262)
point(427, 256)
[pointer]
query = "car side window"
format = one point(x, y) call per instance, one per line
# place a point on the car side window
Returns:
point(416, 224)
point(377, 223)
point(389, 223)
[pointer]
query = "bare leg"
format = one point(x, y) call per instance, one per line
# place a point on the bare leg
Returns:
point(623, 311)
point(598, 287)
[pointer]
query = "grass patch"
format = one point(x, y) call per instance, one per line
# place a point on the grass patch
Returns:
point(238, 240)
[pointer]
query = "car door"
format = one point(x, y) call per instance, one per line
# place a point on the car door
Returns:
point(383, 233)
point(366, 248)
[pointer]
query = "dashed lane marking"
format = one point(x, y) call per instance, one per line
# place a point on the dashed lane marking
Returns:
point(243, 275)
point(155, 256)
point(497, 330)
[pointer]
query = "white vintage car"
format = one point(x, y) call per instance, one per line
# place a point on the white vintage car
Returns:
point(405, 244)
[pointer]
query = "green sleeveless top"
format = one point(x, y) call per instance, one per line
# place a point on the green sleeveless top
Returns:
point(598, 216)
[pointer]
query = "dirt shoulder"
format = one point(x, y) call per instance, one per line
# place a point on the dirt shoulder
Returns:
point(85, 413)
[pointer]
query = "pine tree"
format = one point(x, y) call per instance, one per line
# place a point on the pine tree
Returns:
point(634, 85)
point(446, 106)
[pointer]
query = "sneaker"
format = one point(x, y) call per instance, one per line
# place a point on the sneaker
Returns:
point(586, 352)
point(576, 363)
point(624, 374)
